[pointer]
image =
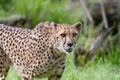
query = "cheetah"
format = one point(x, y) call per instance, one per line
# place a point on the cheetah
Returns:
point(38, 52)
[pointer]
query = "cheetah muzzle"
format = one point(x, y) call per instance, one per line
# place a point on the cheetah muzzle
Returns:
point(38, 52)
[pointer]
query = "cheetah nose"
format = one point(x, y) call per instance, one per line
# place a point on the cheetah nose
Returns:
point(70, 44)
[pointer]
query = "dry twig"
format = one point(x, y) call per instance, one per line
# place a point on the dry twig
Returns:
point(103, 14)
point(86, 11)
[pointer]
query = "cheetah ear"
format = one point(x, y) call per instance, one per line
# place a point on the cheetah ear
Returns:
point(77, 26)
point(54, 24)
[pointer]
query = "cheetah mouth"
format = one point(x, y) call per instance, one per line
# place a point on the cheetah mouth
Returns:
point(68, 50)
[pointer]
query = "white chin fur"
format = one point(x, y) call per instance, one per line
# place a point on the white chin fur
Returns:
point(62, 49)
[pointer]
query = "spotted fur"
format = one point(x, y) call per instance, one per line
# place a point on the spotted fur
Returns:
point(39, 52)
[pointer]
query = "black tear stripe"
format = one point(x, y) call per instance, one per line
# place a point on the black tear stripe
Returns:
point(65, 37)
point(65, 41)
point(74, 41)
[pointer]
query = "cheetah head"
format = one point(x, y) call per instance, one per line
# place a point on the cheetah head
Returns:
point(66, 36)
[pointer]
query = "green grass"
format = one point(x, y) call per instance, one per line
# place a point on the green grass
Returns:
point(95, 71)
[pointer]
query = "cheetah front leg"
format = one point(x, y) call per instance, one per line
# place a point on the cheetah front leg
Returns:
point(58, 74)
point(59, 68)
point(24, 78)
point(4, 64)
point(27, 77)
point(3, 73)
point(56, 77)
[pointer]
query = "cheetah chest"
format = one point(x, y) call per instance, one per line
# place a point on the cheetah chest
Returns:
point(52, 66)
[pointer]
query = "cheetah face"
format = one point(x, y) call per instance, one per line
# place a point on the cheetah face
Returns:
point(66, 36)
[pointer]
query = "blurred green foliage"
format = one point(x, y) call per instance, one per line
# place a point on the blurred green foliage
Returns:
point(41, 10)
point(5, 4)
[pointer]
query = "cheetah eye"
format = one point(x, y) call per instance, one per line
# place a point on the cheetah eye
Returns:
point(63, 35)
point(74, 34)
